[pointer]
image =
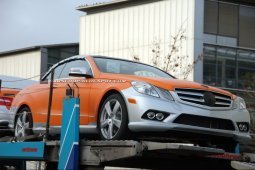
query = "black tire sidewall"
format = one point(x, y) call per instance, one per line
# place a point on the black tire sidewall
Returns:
point(123, 131)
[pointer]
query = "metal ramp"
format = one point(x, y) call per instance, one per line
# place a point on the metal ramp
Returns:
point(99, 152)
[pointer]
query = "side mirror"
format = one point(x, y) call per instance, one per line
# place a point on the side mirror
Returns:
point(79, 72)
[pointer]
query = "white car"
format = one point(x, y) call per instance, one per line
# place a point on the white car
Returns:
point(6, 98)
point(14, 85)
point(4, 116)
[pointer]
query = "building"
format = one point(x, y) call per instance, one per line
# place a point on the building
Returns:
point(33, 62)
point(129, 28)
point(223, 32)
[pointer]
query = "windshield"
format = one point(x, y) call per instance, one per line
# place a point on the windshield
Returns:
point(116, 66)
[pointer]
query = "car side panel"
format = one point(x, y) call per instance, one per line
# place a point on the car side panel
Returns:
point(36, 98)
point(98, 90)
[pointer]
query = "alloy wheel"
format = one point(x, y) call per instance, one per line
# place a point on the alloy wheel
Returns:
point(111, 119)
point(22, 124)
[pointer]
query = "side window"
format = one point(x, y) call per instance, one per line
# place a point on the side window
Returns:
point(47, 78)
point(62, 71)
point(57, 73)
point(75, 63)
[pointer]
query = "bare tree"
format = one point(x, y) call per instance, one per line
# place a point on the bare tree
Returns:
point(135, 57)
point(173, 61)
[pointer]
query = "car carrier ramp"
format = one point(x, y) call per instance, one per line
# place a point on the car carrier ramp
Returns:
point(99, 152)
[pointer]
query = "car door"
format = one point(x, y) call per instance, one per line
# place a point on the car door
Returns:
point(40, 98)
point(60, 86)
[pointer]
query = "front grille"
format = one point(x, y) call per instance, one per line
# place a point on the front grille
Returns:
point(203, 121)
point(198, 97)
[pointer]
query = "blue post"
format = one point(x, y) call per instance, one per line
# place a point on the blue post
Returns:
point(237, 149)
point(69, 141)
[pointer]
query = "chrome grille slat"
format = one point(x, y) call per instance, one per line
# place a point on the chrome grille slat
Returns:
point(220, 103)
point(196, 96)
point(192, 99)
point(190, 93)
point(222, 98)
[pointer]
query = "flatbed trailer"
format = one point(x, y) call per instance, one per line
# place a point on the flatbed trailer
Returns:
point(96, 154)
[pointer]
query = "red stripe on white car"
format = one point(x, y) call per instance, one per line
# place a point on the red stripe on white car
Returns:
point(6, 101)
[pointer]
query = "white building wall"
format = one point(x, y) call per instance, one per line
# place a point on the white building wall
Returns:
point(24, 64)
point(132, 30)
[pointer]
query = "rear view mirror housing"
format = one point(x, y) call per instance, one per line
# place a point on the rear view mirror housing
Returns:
point(79, 72)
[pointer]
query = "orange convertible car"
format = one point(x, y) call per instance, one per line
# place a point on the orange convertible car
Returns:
point(120, 95)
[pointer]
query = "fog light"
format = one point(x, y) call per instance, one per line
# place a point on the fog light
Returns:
point(160, 116)
point(151, 115)
point(155, 115)
point(243, 126)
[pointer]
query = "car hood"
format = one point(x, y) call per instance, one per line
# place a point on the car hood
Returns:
point(167, 83)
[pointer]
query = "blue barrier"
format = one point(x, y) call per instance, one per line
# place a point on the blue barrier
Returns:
point(69, 141)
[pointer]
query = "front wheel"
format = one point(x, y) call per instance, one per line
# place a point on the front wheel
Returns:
point(113, 118)
point(23, 123)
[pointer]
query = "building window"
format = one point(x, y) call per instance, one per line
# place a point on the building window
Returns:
point(229, 67)
point(226, 65)
point(221, 18)
point(228, 19)
point(211, 17)
point(247, 27)
point(246, 69)
point(210, 65)
point(57, 54)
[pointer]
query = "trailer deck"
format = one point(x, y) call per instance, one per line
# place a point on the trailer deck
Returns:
point(124, 153)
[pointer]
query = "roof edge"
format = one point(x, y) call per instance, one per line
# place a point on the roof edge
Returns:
point(84, 8)
point(20, 50)
point(112, 5)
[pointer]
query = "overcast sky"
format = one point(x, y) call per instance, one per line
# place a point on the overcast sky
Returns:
point(25, 23)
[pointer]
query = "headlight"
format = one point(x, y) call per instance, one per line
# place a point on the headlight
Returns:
point(235, 104)
point(242, 104)
point(166, 94)
point(239, 103)
point(144, 88)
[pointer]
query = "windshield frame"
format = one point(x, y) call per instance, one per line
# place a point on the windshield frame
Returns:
point(111, 58)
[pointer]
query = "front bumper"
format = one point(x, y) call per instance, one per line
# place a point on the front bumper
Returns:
point(4, 118)
point(175, 109)
point(162, 127)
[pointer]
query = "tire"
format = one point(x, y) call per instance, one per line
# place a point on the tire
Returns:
point(113, 118)
point(23, 123)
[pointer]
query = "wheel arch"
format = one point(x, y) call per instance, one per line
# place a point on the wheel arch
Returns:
point(19, 109)
point(107, 94)
point(28, 119)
